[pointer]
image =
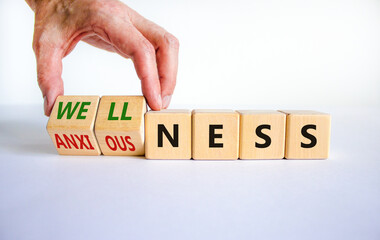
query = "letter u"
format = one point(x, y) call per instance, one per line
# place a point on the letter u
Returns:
point(124, 148)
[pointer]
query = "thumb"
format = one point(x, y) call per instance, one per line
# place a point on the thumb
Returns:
point(49, 71)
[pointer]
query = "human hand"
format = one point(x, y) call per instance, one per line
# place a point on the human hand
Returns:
point(109, 25)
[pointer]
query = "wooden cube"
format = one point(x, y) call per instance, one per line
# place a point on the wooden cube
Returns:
point(307, 135)
point(119, 126)
point(71, 125)
point(168, 134)
point(262, 134)
point(215, 134)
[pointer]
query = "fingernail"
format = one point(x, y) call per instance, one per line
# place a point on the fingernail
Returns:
point(159, 102)
point(166, 101)
point(46, 106)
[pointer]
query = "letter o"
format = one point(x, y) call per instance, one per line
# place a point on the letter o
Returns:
point(108, 144)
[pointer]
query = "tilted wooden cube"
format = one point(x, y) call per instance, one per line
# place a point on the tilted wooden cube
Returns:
point(168, 134)
point(119, 126)
point(215, 134)
point(307, 134)
point(262, 134)
point(71, 125)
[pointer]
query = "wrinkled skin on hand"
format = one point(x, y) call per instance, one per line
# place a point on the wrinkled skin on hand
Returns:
point(109, 25)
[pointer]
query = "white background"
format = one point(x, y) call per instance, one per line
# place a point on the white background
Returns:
point(320, 55)
point(46, 196)
point(242, 53)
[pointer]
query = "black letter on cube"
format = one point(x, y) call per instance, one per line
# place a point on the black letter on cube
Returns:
point(313, 139)
point(212, 137)
point(162, 129)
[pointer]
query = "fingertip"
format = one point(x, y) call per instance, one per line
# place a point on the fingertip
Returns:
point(166, 101)
point(155, 103)
point(49, 99)
point(48, 105)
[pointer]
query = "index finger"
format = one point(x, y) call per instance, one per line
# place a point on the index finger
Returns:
point(129, 42)
point(167, 48)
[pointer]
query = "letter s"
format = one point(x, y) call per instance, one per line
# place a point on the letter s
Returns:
point(313, 139)
point(262, 135)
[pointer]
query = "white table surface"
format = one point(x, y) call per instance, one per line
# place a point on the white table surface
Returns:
point(47, 196)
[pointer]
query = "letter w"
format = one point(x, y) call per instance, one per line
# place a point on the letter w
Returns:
point(70, 112)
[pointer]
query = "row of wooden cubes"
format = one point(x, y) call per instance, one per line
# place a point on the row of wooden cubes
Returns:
point(114, 125)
